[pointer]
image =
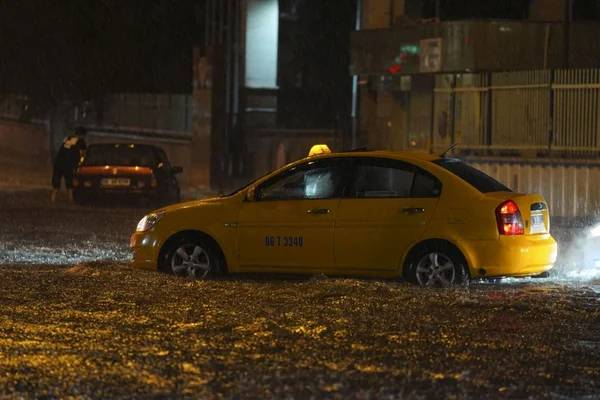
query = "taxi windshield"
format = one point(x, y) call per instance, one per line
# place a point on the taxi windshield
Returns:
point(125, 155)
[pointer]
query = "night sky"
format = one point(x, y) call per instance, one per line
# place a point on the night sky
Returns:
point(85, 48)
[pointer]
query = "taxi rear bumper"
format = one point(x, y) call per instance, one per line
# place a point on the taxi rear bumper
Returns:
point(525, 255)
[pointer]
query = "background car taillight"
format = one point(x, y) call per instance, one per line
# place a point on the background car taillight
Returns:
point(509, 219)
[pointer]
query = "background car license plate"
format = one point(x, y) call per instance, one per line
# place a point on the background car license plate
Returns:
point(115, 182)
point(537, 223)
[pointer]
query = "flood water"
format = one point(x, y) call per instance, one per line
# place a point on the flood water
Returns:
point(76, 320)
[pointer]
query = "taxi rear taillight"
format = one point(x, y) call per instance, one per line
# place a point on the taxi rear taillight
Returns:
point(509, 219)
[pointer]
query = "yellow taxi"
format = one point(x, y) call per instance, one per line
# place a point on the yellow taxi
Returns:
point(432, 220)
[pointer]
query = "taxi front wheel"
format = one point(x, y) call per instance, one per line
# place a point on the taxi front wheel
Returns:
point(194, 258)
point(437, 265)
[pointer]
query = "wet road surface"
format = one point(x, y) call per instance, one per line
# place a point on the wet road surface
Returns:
point(75, 320)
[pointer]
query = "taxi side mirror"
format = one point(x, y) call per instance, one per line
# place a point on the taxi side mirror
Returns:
point(250, 194)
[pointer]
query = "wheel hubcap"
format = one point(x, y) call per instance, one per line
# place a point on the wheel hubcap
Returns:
point(191, 261)
point(435, 269)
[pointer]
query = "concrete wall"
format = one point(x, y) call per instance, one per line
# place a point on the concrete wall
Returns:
point(24, 154)
point(547, 10)
point(271, 149)
point(381, 14)
point(376, 14)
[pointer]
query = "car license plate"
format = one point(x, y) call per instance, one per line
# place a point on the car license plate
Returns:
point(537, 224)
point(115, 182)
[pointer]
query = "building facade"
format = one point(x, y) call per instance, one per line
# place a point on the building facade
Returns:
point(516, 84)
point(427, 81)
point(271, 79)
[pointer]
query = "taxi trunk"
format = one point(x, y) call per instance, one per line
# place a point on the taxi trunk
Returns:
point(523, 244)
point(531, 208)
point(114, 179)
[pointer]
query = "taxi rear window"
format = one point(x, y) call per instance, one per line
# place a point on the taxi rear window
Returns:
point(479, 180)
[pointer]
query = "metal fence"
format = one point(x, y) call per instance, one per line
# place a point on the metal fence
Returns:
point(132, 111)
point(576, 109)
point(460, 109)
point(171, 112)
point(543, 109)
point(520, 108)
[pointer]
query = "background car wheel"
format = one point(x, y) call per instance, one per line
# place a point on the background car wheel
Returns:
point(437, 265)
point(194, 258)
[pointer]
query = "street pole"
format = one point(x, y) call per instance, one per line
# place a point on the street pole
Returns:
point(567, 34)
point(355, 89)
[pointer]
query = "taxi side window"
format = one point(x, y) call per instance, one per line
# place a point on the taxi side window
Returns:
point(426, 185)
point(382, 181)
point(390, 178)
point(312, 181)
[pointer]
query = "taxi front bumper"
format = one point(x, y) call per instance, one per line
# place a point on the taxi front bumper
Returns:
point(512, 256)
point(145, 247)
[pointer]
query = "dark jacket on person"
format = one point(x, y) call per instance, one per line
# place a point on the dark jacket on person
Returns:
point(69, 153)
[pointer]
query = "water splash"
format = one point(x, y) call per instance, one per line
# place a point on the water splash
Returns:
point(579, 256)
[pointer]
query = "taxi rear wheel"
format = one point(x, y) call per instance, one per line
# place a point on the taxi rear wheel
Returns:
point(192, 257)
point(437, 265)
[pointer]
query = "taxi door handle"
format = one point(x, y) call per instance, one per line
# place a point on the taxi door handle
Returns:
point(413, 210)
point(317, 211)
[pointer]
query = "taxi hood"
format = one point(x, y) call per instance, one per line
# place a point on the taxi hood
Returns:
point(191, 204)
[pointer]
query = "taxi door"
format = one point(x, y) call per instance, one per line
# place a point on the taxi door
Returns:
point(385, 210)
point(288, 225)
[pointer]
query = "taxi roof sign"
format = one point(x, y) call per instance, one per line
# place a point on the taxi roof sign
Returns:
point(319, 149)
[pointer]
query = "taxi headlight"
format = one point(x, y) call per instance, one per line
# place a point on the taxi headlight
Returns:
point(148, 222)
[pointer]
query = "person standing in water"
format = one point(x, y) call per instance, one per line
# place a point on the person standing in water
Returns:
point(66, 162)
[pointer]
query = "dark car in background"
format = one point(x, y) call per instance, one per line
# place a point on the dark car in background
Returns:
point(126, 171)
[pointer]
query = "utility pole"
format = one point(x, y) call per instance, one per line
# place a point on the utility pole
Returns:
point(355, 88)
point(568, 19)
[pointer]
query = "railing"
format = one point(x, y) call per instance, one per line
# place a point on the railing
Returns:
point(16, 107)
point(551, 111)
point(143, 111)
point(168, 115)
